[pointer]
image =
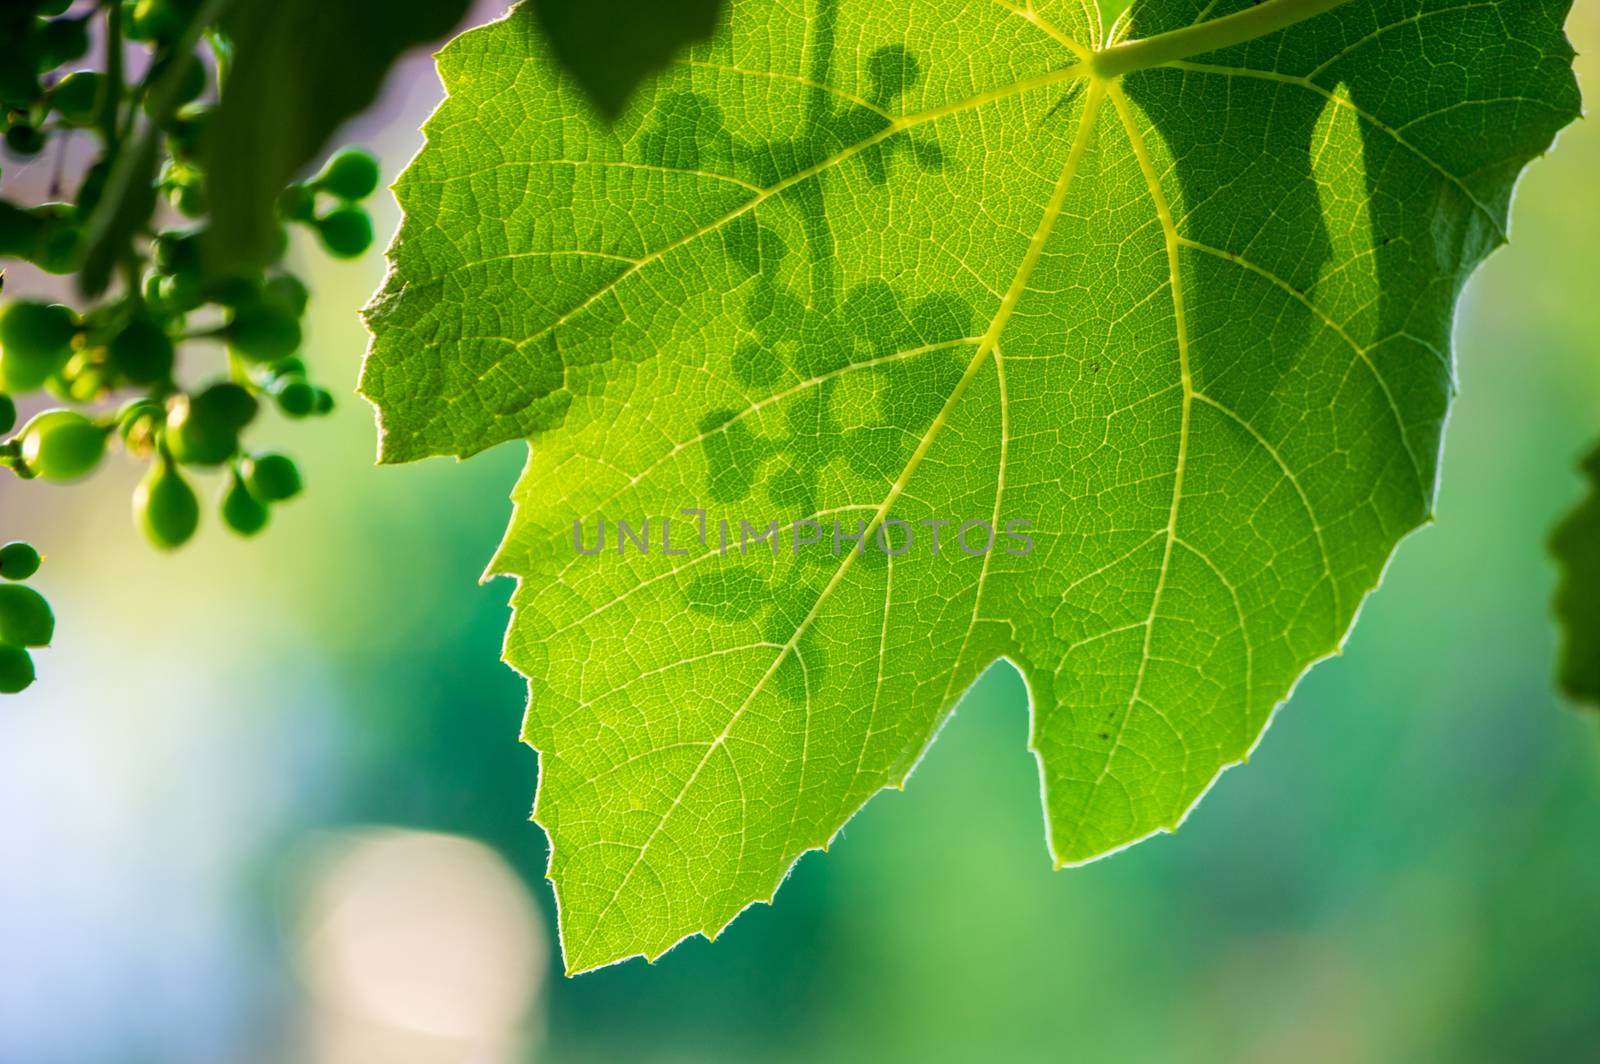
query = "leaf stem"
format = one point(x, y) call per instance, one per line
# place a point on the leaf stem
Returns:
point(1209, 36)
point(113, 83)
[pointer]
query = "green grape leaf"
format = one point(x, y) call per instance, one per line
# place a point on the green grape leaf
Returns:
point(299, 68)
point(1184, 330)
point(1576, 546)
point(610, 46)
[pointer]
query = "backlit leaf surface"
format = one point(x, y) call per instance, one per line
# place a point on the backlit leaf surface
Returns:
point(902, 260)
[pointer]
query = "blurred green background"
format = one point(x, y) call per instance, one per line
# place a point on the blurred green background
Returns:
point(232, 812)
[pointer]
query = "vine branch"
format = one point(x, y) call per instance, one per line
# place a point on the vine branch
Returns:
point(1204, 37)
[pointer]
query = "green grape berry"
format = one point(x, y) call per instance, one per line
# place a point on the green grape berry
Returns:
point(35, 342)
point(19, 79)
point(82, 380)
point(58, 247)
point(263, 332)
point(345, 231)
point(157, 20)
point(176, 251)
point(76, 97)
point(142, 352)
point(241, 510)
point(293, 366)
point(231, 404)
point(25, 617)
point(180, 292)
point(18, 561)
point(63, 445)
point(187, 128)
point(61, 41)
point(17, 230)
point(8, 414)
point(193, 82)
point(272, 477)
point(137, 420)
point(165, 506)
point(323, 404)
point(287, 292)
point(24, 139)
point(204, 429)
point(189, 198)
point(198, 444)
point(39, 330)
point(234, 292)
point(16, 669)
point(352, 174)
point(296, 397)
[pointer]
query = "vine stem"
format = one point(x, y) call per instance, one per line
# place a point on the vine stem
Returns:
point(1209, 36)
point(113, 84)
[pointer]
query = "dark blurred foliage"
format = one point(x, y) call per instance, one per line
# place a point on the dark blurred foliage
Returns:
point(300, 68)
point(611, 45)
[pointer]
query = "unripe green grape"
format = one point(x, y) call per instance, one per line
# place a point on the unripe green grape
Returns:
point(61, 41)
point(35, 342)
point(25, 617)
point(62, 445)
point(189, 89)
point(241, 510)
point(17, 231)
point(345, 231)
point(204, 429)
point(156, 20)
point(263, 332)
point(187, 128)
point(19, 80)
point(18, 561)
point(165, 506)
point(272, 477)
point(324, 402)
point(197, 443)
point(37, 330)
point(8, 414)
point(189, 198)
point(293, 366)
point(82, 380)
point(57, 237)
point(142, 352)
point(152, 290)
point(24, 139)
point(76, 97)
point(297, 398)
point(235, 291)
point(286, 291)
point(180, 292)
point(137, 420)
point(177, 251)
point(352, 174)
point(231, 404)
point(21, 375)
point(59, 248)
point(16, 669)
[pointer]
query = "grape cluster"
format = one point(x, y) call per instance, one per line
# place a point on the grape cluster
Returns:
point(114, 367)
point(25, 617)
